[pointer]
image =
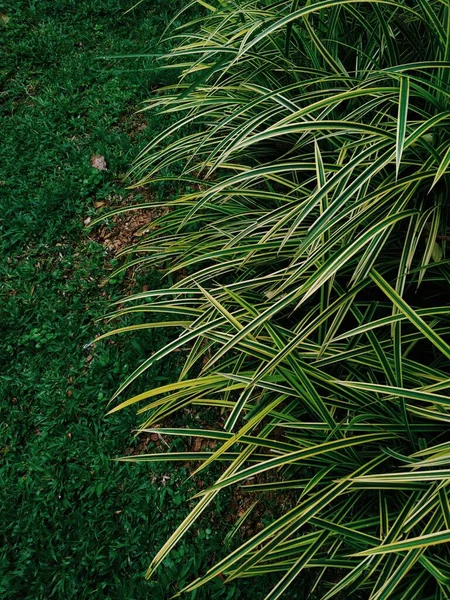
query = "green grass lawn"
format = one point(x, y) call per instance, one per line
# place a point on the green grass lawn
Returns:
point(75, 523)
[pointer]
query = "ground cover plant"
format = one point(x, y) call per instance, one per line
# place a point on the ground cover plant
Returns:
point(311, 287)
point(75, 523)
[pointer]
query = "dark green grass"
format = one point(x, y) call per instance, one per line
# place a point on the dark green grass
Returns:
point(74, 523)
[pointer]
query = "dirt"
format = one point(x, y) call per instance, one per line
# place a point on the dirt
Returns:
point(135, 123)
point(123, 230)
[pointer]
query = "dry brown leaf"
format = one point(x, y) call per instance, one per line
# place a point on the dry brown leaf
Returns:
point(98, 162)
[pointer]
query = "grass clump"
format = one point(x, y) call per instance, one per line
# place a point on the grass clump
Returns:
point(311, 286)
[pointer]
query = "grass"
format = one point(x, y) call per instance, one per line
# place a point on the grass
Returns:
point(76, 524)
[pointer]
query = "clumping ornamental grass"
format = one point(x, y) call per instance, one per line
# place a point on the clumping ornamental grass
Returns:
point(312, 288)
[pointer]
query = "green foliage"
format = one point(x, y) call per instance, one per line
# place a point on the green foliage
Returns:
point(312, 286)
